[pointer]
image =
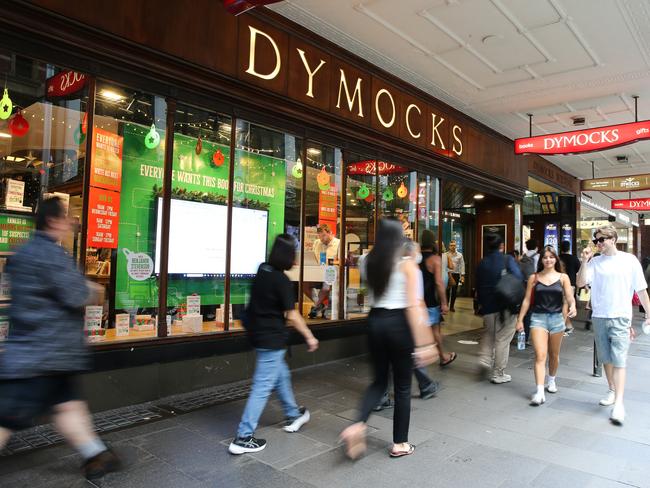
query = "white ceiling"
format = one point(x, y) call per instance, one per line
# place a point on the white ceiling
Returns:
point(497, 60)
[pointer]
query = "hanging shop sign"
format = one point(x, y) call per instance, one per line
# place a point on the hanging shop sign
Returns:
point(631, 204)
point(626, 183)
point(64, 84)
point(370, 166)
point(103, 217)
point(106, 161)
point(582, 141)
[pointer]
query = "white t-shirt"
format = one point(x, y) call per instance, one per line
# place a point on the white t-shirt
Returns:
point(613, 281)
point(331, 250)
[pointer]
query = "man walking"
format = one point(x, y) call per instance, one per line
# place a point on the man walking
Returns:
point(46, 349)
point(457, 275)
point(613, 276)
point(571, 267)
point(498, 320)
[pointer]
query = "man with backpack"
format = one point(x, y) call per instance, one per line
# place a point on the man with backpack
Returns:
point(500, 291)
point(528, 266)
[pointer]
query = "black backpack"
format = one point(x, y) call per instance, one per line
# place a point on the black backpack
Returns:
point(510, 290)
point(527, 265)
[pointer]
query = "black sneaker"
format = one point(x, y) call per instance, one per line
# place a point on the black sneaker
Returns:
point(294, 424)
point(383, 406)
point(430, 391)
point(242, 445)
point(101, 464)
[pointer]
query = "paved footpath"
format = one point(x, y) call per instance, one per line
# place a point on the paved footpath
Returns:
point(473, 434)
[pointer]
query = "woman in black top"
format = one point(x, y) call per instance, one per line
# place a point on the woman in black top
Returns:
point(271, 307)
point(547, 289)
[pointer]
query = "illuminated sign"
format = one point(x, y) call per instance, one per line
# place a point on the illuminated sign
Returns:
point(633, 204)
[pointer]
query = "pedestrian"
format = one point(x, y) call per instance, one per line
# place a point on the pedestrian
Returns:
point(46, 350)
point(271, 307)
point(528, 264)
point(457, 276)
point(571, 267)
point(434, 291)
point(498, 319)
point(398, 336)
point(613, 276)
point(545, 294)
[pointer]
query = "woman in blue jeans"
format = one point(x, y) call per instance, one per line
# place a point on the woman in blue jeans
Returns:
point(548, 289)
point(271, 307)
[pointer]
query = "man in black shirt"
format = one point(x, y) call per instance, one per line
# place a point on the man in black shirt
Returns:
point(571, 267)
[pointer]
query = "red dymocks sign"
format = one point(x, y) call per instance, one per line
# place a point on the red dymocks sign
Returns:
point(587, 140)
point(65, 83)
point(634, 204)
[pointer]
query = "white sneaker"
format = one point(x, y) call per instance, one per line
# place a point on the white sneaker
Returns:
point(609, 399)
point(551, 387)
point(501, 378)
point(537, 399)
point(617, 417)
point(293, 425)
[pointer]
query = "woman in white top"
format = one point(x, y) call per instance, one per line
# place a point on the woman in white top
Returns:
point(396, 327)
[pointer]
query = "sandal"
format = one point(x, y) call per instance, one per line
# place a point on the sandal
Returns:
point(355, 440)
point(396, 454)
point(452, 358)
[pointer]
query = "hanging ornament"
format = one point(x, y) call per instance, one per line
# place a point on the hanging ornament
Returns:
point(218, 158)
point(402, 191)
point(84, 124)
point(323, 179)
point(152, 139)
point(370, 198)
point(388, 195)
point(199, 146)
point(296, 171)
point(18, 125)
point(79, 135)
point(363, 192)
point(6, 106)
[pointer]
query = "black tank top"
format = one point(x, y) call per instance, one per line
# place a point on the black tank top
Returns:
point(430, 293)
point(548, 298)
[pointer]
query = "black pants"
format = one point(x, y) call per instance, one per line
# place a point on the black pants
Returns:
point(453, 289)
point(391, 345)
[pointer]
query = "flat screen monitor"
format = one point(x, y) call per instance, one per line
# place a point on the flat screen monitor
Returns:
point(197, 239)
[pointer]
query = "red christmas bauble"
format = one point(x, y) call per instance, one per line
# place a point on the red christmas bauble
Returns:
point(18, 125)
point(218, 158)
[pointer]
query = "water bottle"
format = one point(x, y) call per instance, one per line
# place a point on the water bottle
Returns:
point(521, 341)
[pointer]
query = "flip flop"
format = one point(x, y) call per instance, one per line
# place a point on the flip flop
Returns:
point(451, 359)
point(396, 454)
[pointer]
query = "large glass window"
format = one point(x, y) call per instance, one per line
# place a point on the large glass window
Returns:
point(267, 194)
point(398, 195)
point(428, 204)
point(43, 132)
point(126, 178)
point(322, 233)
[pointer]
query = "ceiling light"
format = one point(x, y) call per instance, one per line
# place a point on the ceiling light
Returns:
point(313, 151)
point(479, 196)
point(111, 95)
point(5, 135)
point(467, 205)
point(423, 184)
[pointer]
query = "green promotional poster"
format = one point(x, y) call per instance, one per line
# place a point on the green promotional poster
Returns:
point(14, 231)
point(200, 174)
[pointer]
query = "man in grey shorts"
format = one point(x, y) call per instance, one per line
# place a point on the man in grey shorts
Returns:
point(613, 276)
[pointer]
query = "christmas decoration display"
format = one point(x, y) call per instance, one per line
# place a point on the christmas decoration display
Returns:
point(363, 192)
point(323, 179)
point(402, 191)
point(152, 139)
point(218, 158)
point(199, 146)
point(18, 125)
point(388, 195)
point(6, 106)
point(296, 171)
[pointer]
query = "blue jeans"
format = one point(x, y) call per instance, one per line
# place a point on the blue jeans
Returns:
point(271, 373)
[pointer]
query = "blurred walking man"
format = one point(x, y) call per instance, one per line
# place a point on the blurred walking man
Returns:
point(613, 276)
point(46, 346)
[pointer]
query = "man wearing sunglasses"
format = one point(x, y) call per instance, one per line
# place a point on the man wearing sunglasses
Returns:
point(613, 276)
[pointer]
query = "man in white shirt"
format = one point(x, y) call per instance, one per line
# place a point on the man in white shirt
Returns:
point(326, 251)
point(457, 273)
point(613, 276)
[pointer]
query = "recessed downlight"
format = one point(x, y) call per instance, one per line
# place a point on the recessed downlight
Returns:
point(479, 196)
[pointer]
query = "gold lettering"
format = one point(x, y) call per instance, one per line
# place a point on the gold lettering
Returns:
point(378, 112)
point(310, 73)
point(357, 92)
point(435, 131)
point(408, 123)
point(251, 56)
point(458, 151)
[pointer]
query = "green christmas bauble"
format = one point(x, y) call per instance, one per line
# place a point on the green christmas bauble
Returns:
point(296, 171)
point(388, 195)
point(363, 192)
point(152, 139)
point(6, 106)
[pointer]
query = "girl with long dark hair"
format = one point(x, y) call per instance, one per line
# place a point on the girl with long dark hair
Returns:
point(397, 335)
point(548, 288)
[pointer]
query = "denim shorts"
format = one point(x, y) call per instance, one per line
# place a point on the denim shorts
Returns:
point(434, 315)
point(553, 323)
point(612, 338)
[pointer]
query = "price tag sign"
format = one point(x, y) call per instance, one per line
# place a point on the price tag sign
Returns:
point(194, 304)
point(122, 323)
point(93, 318)
point(330, 274)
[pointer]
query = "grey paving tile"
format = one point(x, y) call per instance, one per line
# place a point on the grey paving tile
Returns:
point(554, 476)
point(63, 472)
point(325, 428)
point(256, 473)
point(152, 472)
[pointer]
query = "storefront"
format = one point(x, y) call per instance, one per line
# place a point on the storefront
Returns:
point(183, 152)
point(595, 212)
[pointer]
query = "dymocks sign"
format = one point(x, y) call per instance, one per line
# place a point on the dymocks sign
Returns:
point(625, 183)
point(632, 204)
point(582, 141)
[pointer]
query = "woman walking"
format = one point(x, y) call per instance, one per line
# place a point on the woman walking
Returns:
point(396, 326)
point(271, 306)
point(547, 289)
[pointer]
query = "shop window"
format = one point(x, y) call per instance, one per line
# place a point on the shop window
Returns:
point(42, 153)
point(322, 233)
point(360, 201)
point(428, 206)
point(267, 193)
point(398, 195)
point(198, 221)
point(126, 178)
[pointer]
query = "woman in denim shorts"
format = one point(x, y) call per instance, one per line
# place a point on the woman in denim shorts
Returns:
point(546, 292)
